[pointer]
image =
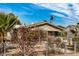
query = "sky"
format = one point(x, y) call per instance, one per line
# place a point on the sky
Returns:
point(64, 13)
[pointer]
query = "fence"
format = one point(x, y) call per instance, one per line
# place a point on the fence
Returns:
point(33, 43)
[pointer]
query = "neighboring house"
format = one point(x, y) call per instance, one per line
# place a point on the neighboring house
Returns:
point(70, 33)
point(69, 36)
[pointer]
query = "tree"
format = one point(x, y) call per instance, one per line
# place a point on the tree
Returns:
point(7, 22)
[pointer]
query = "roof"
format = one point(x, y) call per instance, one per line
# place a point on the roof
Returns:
point(41, 24)
point(61, 27)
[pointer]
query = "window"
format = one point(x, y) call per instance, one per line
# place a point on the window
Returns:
point(55, 33)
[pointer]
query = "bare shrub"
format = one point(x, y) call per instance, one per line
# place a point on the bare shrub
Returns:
point(27, 38)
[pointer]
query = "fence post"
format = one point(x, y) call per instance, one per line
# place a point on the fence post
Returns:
point(65, 50)
point(24, 50)
point(4, 47)
point(55, 48)
point(75, 48)
point(47, 49)
point(46, 54)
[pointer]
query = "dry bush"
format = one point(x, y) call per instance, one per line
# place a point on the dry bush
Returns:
point(27, 38)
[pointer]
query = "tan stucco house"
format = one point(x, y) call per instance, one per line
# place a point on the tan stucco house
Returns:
point(52, 30)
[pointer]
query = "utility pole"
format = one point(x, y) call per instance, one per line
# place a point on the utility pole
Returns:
point(51, 19)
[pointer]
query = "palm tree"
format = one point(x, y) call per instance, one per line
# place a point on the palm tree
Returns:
point(7, 22)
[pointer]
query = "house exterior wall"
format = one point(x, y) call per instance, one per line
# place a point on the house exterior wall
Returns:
point(47, 28)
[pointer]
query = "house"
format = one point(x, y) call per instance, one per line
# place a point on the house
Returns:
point(69, 32)
point(72, 30)
point(51, 29)
point(70, 35)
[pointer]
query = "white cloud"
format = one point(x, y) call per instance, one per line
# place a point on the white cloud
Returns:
point(57, 7)
point(5, 10)
point(57, 14)
point(72, 10)
point(21, 14)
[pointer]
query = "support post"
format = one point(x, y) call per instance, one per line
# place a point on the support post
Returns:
point(4, 48)
point(65, 50)
point(47, 49)
point(75, 45)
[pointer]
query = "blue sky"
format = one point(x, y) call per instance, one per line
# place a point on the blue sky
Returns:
point(28, 13)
